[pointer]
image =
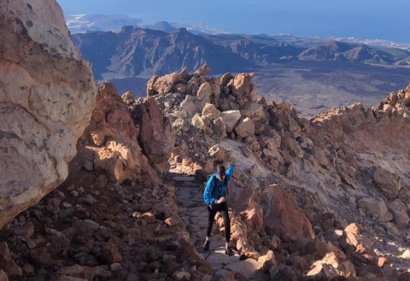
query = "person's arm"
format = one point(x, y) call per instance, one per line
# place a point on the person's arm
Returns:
point(229, 172)
point(209, 200)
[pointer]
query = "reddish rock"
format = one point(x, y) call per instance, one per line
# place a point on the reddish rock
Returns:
point(3, 276)
point(148, 217)
point(110, 253)
point(111, 138)
point(156, 137)
point(75, 271)
point(254, 218)
point(387, 182)
point(25, 231)
point(381, 261)
point(282, 213)
point(7, 263)
point(42, 257)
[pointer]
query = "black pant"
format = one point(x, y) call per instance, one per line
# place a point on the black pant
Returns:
point(223, 209)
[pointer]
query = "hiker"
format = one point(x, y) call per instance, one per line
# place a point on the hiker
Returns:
point(215, 199)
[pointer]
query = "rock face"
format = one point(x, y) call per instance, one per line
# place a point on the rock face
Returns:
point(156, 136)
point(47, 94)
point(126, 139)
point(110, 142)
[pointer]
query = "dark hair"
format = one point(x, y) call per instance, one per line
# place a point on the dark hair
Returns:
point(221, 169)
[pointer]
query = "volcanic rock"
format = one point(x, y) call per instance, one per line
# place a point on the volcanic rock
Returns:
point(47, 93)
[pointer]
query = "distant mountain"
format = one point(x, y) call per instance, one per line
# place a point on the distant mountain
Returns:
point(341, 51)
point(82, 23)
point(136, 51)
point(375, 42)
point(161, 26)
point(85, 23)
point(142, 52)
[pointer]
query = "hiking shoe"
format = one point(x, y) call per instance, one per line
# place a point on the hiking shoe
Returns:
point(228, 251)
point(206, 246)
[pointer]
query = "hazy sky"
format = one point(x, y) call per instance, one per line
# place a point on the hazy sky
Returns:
point(376, 19)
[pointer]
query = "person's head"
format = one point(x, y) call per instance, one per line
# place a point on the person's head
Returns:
point(220, 169)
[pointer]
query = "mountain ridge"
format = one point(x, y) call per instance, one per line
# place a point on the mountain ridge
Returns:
point(137, 51)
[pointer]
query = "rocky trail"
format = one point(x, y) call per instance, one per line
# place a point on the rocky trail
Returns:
point(194, 215)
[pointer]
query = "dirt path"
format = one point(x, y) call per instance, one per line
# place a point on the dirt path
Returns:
point(195, 217)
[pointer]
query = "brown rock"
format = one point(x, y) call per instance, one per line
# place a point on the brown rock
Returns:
point(128, 97)
point(198, 122)
point(181, 88)
point(204, 92)
point(172, 221)
point(254, 218)
point(406, 100)
point(230, 119)
point(219, 153)
point(399, 211)
point(224, 275)
point(246, 128)
point(188, 106)
point(203, 70)
point(181, 275)
point(7, 263)
point(243, 84)
point(110, 253)
point(332, 266)
point(381, 261)
point(47, 93)
point(25, 231)
point(42, 256)
point(28, 269)
point(102, 271)
point(253, 110)
point(245, 268)
point(210, 111)
point(387, 182)
point(151, 89)
point(148, 217)
point(375, 207)
point(164, 84)
point(156, 137)
point(267, 260)
point(3, 276)
point(111, 135)
point(219, 127)
point(282, 214)
point(76, 271)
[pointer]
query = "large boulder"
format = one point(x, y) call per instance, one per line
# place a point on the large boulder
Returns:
point(253, 110)
point(246, 128)
point(375, 207)
point(210, 111)
point(230, 118)
point(243, 84)
point(156, 137)
point(110, 142)
point(204, 92)
point(399, 211)
point(282, 214)
point(332, 266)
point(161, 85)
point(47, 94)
point(387, 182)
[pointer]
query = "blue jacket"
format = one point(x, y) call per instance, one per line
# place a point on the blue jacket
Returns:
point(214, 192)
